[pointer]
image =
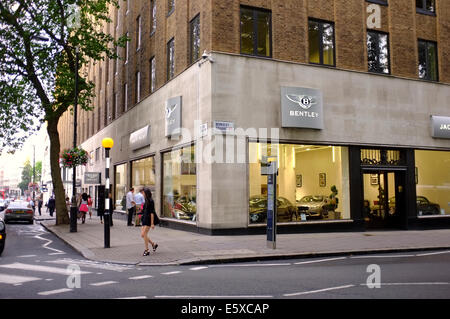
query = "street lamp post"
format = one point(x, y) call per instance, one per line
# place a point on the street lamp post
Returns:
point(73, 207)
point(107, 143)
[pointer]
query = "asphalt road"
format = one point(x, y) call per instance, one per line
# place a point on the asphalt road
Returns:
point(37, 265)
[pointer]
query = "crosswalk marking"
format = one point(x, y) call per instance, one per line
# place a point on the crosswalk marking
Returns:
point(53, 270)
point(54, 292)
point(90, 264)
point(104, 283)
point(198, 268)
point(16, 280)
point(171, 273)
point(140, 277)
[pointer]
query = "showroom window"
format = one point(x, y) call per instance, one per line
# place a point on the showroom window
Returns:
point(428, 69)
point(256, 32)
point(312, 182)
point(180, 184)
point(321, 42)
point(378, 52)
point(120, 186)
point(432, 182)
point(143, 174)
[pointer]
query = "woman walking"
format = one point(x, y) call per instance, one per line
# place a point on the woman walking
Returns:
point(84, 207)
point(149, 219)
point(90, 206)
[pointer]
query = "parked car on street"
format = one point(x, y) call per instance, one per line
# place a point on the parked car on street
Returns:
point(19, 211)
point(2, 235)
point(314, 206)
point(258, 209)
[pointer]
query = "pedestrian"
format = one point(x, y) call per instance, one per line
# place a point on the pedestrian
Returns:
point(131, 206)
point(140, 200)
point(68, 205)
point(51, 205)
point(32, 204)
point(90, 206)
point(149, 220)
point(101, 214)
point(40, 202)
point(84, 209)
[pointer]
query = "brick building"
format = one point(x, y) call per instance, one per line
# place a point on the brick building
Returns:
point(354, 94)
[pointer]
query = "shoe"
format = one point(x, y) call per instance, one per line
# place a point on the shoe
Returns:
point(154, 247)
point(146, 253)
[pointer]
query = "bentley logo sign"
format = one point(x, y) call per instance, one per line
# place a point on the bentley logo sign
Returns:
point(301, 107)
point(172, 111)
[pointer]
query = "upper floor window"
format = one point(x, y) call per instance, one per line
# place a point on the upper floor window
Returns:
point(152, 74)
point(170, 59)
point(194, 31)
point(170, 6)
point(428, 65)
point(378, 52)
point(426, 6)
point(138, 32)
point(321, 42)
point(256, 25)
point(138, 87)
point(382, 2)
point(127, 48)
point(153, 17)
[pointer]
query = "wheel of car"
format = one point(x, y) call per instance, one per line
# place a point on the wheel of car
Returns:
point(435, 211)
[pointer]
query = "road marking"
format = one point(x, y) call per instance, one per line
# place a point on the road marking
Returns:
point(52, 254)
point(386, 256)
point(251, 265)
point(319, 261)
point(317, 291)
point(138, 297)
point(220, 297)
point(140, 277)
point(171, 273)
point(436, 253)
point(198, 268)
point(104, 283)
point(26, 256)
point(53, 270)
point(54, 292)
point(90, 264)
point(412, 284)
point(16, 280)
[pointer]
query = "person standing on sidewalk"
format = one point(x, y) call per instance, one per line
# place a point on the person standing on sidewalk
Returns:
point(149, 219)
point(90, 206)
point(131, 206)
point(40, 205)
point(51, 205)
point(139, 199)
point(84, 209)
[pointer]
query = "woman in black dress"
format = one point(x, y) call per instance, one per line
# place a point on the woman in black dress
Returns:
point(148, 219)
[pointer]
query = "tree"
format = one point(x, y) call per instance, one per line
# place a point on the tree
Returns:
point(27, 175)
point(38, 40)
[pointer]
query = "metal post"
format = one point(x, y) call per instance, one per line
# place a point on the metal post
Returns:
point(73, 207)
point(106, 214)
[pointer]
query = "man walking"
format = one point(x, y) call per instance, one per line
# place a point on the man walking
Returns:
point(131, 208)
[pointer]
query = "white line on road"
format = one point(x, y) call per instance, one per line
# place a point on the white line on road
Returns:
point(317, 291)
point(53, 270)
point(220, 297)
point(54, 292)
point(104, 283)
point(26, 256)
point(140, 277)
point(412, 284)
point(198, 268)
point(171, 273)
point(385, 256)
point(319, 261)
point(15, 280)
point(250, 265)
point(138, 297)
point(435, 253)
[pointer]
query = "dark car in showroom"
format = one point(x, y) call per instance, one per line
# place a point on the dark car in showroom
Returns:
point(2, 235)
point(258, 209)
point(313, 206)
point(19, 211)
point(425, 207)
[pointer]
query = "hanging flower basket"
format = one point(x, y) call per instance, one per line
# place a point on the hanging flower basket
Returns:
point(74, 157)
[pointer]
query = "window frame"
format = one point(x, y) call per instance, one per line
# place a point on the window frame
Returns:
point(255, 10)
point(138, 32)
point(170, 43)
point(153, 12)
point(388, 51)
point(194, 20)
point(428, 42)
point(138, 87)
point(152, 80)
point(423, 10)
point(380, 2)
point(170, 7)
point(321, 22)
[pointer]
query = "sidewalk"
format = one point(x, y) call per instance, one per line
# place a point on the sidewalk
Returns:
point(181, 247)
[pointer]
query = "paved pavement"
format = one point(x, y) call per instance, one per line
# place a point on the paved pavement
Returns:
point(178, 247)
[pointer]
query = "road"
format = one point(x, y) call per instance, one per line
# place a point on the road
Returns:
point(36, 264)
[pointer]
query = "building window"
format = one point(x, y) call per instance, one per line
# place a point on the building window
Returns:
point(120, 186)
point(313, 182)
point(382, 2)
point(138, 33)
point(138, 87)
point(127, 47)
point(170, 59)
point(321, 42)
point(153, 17)
point(125, 97)
point(180, 184)
point(152, 74)
point(428, 68)
point(378, 52)
point(425, 6)
point(116, 104)
point(143, 174)
point(97, 154)
point(432, 177)
point(194, 31)
point(116, 65)
point(256, 35)
point(170, 6)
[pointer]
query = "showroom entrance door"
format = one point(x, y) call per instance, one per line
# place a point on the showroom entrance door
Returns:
point(384, 198)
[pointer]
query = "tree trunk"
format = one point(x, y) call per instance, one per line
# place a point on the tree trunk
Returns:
point(62, 215)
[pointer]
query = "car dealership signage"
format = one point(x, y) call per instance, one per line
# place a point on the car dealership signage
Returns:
point(92, 178)
point(173, 116)
point(440, 126)
point(301, 107)
point(140, 138)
